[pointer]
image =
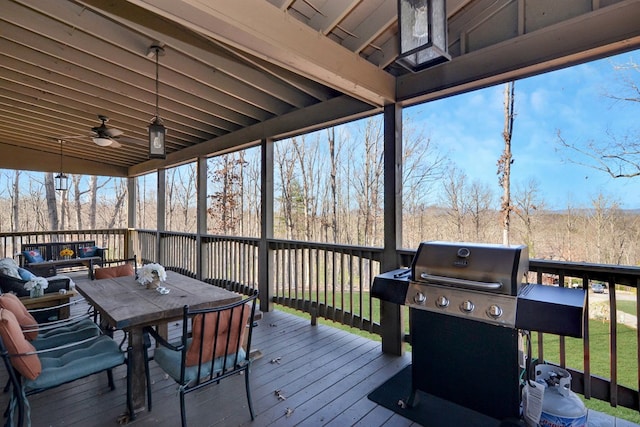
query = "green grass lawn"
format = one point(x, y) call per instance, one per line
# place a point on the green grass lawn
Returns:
point(627, 306)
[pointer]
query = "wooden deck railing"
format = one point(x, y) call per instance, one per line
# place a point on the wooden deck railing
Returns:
point(112, 239)
point(333, 282)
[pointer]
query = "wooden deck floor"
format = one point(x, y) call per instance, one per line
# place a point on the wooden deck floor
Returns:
point(324, 373)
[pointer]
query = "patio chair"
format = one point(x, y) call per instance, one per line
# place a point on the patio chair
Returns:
point(116, 268)
point(212, 351)
point(51, 334)
point(32, 371)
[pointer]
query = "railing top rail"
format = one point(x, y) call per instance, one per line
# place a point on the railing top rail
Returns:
point(568, 266)
point(321, 245)
point(60, 232)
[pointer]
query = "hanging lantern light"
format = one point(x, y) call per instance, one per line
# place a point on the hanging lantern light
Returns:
point(157, 131)
point(61, 181)
point(422, 31)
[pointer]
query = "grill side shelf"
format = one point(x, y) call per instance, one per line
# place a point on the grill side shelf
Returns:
point(392, 286)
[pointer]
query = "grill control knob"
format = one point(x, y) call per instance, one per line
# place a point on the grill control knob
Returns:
point(467, 306)
point(442, 302)
point(419, 298)
point(494, 311)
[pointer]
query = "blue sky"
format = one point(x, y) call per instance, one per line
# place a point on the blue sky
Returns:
point(469, 129)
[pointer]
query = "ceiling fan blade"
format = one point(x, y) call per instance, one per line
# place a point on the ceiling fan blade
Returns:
point(132, 141)
point(115, 144)
point(113, 132)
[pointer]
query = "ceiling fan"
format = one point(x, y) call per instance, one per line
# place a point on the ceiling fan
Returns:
point(105, 136)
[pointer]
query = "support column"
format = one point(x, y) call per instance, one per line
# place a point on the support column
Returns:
point(201, 218)
point(132, 219)
point(160, 212)
point(392, 315)
point(265, 257)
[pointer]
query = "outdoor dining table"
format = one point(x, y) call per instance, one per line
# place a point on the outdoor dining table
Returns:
point(125, 304)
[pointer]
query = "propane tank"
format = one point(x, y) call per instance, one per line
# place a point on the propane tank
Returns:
point(560, 406)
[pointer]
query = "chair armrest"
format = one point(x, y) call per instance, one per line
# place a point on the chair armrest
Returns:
point(45, 326)
point(160, 340)
point(14, 285)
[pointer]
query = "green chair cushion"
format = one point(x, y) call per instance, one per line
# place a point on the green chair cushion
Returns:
point(58, 369)
point(62, 335)
point(170, 361)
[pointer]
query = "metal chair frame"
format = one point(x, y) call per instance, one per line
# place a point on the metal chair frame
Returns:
point(239, 365)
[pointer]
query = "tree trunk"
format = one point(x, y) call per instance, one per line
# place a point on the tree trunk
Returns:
point(505, 161)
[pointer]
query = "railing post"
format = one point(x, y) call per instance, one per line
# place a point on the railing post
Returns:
point(392, 315)
point(201, 209)
point(265, 257)
point(160, 213)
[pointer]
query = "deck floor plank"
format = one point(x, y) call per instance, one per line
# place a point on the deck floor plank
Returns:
point(325, 374)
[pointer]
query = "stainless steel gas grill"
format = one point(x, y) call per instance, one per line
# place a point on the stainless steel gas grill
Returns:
point(468, 280)
point(464, 345)
point(467, 302)
point(464, 321)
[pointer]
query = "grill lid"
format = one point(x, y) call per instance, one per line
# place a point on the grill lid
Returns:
point(477, 266)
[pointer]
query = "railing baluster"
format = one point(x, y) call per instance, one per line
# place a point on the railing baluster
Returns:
point(613, 346)
point(585, 342)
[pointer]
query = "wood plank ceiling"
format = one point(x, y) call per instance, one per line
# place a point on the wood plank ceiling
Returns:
point(237, 71)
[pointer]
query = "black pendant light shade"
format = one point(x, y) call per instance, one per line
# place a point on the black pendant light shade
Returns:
point(157, 131)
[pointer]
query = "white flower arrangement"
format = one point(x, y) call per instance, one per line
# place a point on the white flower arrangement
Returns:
point(36, 286)
point(147, 272)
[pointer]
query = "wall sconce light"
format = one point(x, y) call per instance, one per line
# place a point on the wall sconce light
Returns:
point(157, 131)
point(61, 181)
point(422, 31)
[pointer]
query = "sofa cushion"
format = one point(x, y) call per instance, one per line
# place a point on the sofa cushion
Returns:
point(87, 251)
point(25, 319)
point(33, 255)
point(9, 268)
point(14, 341)
point(116, 271)
point(26, 274)
point(210, 323)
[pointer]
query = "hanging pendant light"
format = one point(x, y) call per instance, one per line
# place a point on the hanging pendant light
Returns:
point(157, 131)
point(422, 31)
point(61, 180)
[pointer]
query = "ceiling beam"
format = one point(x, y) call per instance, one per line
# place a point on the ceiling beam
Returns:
point(20, 158)
point(260, 29)
point(334, 111)
point(608, 31)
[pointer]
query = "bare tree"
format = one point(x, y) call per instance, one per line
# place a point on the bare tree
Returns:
point(505, 161)
point(527, 201)
point(285, 167)
point(52, 207)
point(618, 154)
point(366, 180)
point(16, 202)
point(225, 200)
point(453, 200)
point(479, 200)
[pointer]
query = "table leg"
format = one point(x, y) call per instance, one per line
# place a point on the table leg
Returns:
point(138, 383)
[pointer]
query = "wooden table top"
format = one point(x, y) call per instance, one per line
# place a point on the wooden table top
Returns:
point(125, 303)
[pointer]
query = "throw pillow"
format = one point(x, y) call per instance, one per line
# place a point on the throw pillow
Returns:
point(29, 366)
point(8, 267)
point(88, 251)
point(225, 330)
point(111, 272)
point(25, 319)
point(33, 255)
point(26, 274)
